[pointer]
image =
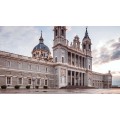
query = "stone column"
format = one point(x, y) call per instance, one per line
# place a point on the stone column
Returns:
point(71, 58)
point(79, 61)
point(81, 79)
point(71, 78)
point(74, 78)
point(75, 59)
point(83, 62)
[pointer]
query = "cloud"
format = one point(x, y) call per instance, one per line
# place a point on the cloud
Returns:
point(19, 39)
point(108, 52)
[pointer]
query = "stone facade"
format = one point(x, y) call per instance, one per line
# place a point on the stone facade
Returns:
point(71, 65)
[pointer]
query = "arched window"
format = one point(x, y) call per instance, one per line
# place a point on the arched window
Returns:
point(62, 59)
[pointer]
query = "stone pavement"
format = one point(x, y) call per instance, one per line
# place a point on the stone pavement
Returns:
point(60, 91)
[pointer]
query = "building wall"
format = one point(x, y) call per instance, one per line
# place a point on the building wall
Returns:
point(21, 68)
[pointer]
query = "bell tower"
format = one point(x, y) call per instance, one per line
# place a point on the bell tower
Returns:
point(59, 35)
point(86, 46)
point(86, 43)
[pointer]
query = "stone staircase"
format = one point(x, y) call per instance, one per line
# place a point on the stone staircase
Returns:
point(77, 87)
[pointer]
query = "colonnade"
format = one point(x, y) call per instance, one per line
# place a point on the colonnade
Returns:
point(76, 60)
point(76, 78)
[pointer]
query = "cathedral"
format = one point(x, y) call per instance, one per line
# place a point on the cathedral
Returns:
point(69, 67)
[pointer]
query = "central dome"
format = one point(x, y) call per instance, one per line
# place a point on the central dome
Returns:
point(41, 51)
point(41, 46)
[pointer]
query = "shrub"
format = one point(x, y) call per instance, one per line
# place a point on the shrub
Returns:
point(37, 87)
point(17, 87)
point(3, 86)
point(28, 87)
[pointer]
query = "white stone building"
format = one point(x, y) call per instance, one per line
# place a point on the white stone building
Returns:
point(71, 65)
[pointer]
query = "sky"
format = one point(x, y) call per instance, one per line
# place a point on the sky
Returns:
point(105, 43)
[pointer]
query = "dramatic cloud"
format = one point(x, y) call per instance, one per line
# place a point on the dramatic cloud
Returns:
point(108, 52)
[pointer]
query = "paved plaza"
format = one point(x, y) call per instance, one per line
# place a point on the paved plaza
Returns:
point(60, 91)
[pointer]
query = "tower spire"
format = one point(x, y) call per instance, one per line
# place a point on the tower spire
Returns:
point(86, 34)
point(41, 38)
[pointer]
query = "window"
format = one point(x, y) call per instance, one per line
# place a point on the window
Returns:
point(9, 80)
point(83, 46)
point(38, 81)
point(33, 55)
point(89, 47)
point(46, 82)
point(62, 32)
point(62, 59)
point(8, 63)
point(46, 69)
point(89, 66)
point(55, 59)
point(19, 65)
point(29, 67)
point(29, 81)
point(20, 81)
point(37, 67)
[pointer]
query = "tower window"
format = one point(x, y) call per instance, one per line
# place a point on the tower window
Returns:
point(55, 59)
point(62, 32)
point(62, 59)
point(89, 47)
